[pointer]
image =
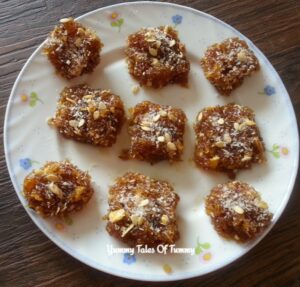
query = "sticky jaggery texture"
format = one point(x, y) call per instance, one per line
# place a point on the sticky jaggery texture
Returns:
point(73, 49)
point(156, 57)
point(142, 211)
point(156, 132)
point(226, 64)
point(57, 189)
point(237, 211)
point(89, 115)
point(227, 138)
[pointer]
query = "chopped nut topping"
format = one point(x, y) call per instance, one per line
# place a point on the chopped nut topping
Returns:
point(238, 209)
point(136, 220)
point(52, 177)
point(227, 138)
point(168, 137)
point(171, 146)
point(242, 55)
point(153, 52)
point(102, 106)
point(246, 157)
point(145, 128)
point(156, 117)
point(81, 123)
point(73, 123)
point(161, 138)
point(164, 219)
point(96, 115)
point(116, 215)
point(158, 43)
point(127, 230)
point(220, 144)
point(163, 113)
point(55, 189)
point(144, 202)
point(200, 117)
point(172, 43)
point(236, 126)
point(221, 121)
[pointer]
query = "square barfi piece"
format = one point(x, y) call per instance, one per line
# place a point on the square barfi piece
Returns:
point(142, 211)
point(226, 64)
point(57, 189)
point(73, 49)
point(89, 115)
point(156, 57)
point(227, 138)
point(237, 211)
point(156, 132)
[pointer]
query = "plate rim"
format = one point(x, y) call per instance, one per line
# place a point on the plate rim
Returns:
point(150, 277)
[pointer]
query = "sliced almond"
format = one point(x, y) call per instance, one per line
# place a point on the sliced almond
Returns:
point(155, 62)
point(73, 123)
point(164, 219)
point(158, 43)
point(56, 190)
point(172, 43)
point(167, 137)
point(242, 55)
point(200, 117)
point(161, 139)
point(250, 123)
point(238, 209)
point(221, 121)
point(220, 144)
point(81, 123)
point(156, 117)
point(102, 106)
point(96, 115)
point(227, 138)
point(137, 220)
point(153, 52)
point(145, 128)
point(163, 113)
point(171, 146)
point(71, 101)
point(246, 158)
point(236, 126)
point(144, 202)
point(127, 230)
point(116, 215)
point(52, 177)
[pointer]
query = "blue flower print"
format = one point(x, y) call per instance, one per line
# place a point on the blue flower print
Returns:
point(177, 19)
point(129, 259)
point(25, 163)
point(269, 90)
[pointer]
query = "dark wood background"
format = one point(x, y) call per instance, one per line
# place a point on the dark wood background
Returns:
point(28, 258)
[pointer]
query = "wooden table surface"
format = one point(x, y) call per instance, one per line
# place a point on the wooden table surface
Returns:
point(28, 258)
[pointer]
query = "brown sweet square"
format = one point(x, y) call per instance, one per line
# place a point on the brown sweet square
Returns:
point(156, 132)
point(156, 57)
point(237, 211)
point(142, 211)
point(226, 64)
point(73, 49)
point(227, 138)
point(89, 115)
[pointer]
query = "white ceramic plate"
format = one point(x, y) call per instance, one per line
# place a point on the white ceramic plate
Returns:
point(30, 142)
